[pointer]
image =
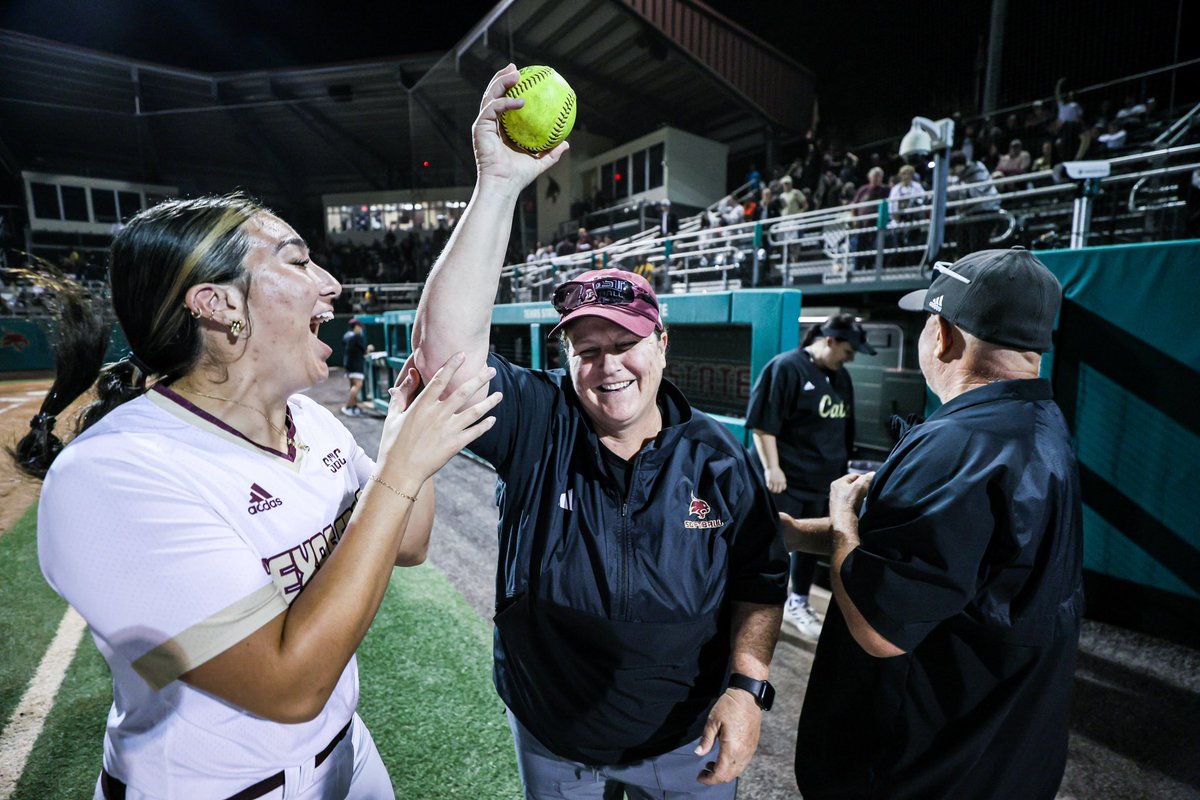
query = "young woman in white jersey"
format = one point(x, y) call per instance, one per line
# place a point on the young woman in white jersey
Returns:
point(189, 517)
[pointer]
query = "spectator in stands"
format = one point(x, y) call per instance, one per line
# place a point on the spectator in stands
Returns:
point(730, 211)
point(1114, 137)
point(768, 206)
point(668, 223)
point(814, 165)
point(846, 196)
point(1068, 109)
point(583, 241)
point(791, 199)
point(1069, 123)
point(1046, 160)
point(978, 217)
point(710, 220)
point(1132, 110)
point(968, 144)
point(794, 170)
point(872, 190)
point(1038, 120)
point(905, 196)
point(1104, 115)
point(828, 189)
point(750, 206)
point(850, 170)
point(1016, 161)
point(1151, 115)
point(753, 179)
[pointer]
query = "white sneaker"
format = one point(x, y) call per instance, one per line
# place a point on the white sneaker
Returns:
point(350, 412)
point(800, 614)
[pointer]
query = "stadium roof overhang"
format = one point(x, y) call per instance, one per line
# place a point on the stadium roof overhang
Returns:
point(298, 133)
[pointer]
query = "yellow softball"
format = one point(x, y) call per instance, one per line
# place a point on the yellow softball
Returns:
point(548, 114)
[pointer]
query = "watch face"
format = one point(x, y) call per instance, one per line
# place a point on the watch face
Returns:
point(767, 696)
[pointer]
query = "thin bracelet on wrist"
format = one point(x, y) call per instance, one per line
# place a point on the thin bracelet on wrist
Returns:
point(393, 489)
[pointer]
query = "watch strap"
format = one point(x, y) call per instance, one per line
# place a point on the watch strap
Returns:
point(762, 691)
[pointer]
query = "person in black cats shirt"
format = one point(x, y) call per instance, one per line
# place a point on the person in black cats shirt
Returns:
point(802, 413)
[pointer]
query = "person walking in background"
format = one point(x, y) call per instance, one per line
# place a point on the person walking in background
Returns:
point(229, 624)
point(947, 661)
point(801, 411)
point(354, 359)
point(641, 576)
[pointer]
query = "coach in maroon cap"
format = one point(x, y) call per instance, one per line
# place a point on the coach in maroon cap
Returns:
point(945, 666)
point(641, 575)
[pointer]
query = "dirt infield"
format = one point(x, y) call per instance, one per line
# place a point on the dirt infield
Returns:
point(19, 401)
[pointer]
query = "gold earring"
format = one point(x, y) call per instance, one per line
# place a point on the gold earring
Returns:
point(195, 313)
point(235, 328)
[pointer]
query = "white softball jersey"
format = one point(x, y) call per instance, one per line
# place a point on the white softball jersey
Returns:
point(175, 537)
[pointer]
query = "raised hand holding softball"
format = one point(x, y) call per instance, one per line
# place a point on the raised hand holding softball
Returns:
point(548, 115)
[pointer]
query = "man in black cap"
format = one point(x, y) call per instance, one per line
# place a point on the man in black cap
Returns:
point(945, 666)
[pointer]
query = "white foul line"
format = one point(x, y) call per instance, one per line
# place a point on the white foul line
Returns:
point(27, 719)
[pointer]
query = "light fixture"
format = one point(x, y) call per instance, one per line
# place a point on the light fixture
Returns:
point(916, 142)
point(929, 138)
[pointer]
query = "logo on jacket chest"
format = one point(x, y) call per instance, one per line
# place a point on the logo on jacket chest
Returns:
point(701, 509)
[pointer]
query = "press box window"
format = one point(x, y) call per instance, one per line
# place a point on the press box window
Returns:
point(45, 201)
point(74, 203)
point(131, 203)
point(104, 205)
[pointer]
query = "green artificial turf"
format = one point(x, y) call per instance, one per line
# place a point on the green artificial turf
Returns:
point(30, 611)
point(70, 751)
point(425, 671)
point(427, 694)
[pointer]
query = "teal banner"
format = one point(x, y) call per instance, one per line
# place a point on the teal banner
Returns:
point(27, 345)
point(1126, 372)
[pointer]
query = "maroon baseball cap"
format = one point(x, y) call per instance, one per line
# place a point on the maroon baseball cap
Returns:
point(625, 298)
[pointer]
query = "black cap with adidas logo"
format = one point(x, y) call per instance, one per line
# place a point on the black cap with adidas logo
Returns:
point(1006, 297)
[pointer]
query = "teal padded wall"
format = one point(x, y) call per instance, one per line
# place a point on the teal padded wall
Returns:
point(1126, 371)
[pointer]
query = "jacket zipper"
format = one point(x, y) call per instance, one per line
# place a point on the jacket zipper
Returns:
point(624, 540)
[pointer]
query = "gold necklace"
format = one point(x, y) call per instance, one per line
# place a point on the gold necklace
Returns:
point(291, 441)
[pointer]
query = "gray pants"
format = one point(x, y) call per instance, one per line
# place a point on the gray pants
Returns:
point(547, 776)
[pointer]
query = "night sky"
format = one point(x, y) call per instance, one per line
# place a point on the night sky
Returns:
point(876, 63)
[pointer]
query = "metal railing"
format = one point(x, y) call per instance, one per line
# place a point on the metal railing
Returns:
point(847, 244)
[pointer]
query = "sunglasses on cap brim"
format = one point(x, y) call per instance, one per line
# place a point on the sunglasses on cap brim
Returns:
point(602, 291)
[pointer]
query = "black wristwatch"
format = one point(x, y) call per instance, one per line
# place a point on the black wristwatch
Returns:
point(763, 691)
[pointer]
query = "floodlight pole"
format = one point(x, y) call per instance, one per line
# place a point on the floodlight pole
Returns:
point(941, 135)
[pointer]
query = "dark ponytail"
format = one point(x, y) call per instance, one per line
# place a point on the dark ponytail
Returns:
point(155, 259)
point(82, 340)
point(811, 335)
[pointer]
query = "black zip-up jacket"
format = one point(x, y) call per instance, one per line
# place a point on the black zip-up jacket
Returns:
point(613, 612)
